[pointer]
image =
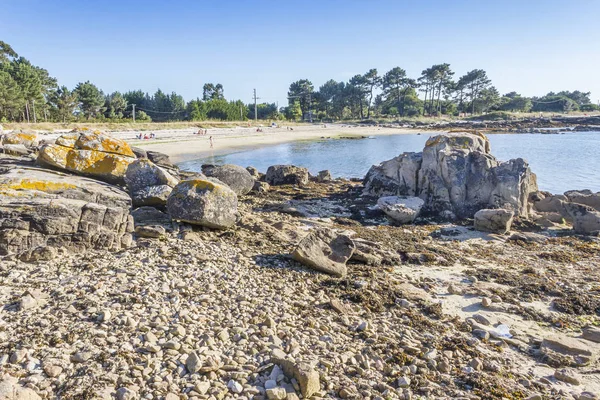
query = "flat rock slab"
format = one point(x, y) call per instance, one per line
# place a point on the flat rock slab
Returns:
point(325, 251)
point(567, 345)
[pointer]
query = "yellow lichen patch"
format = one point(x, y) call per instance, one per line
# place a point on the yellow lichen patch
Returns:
point(20, 138)
point(34, 184)
point(67, 140)
point(97, 163)
point(53, 155)
point(102, 142)
point(201, 184)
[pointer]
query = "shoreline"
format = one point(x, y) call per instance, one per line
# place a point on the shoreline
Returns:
point(182, 145)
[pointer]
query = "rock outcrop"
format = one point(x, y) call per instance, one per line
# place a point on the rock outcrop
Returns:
point(203, 202)
point(237, 178)
point(148, 184)
point(401, 210)
point(494, 220)
point(24, 138)
point(325, 251)
point(456, 176)
point(46, 208)
point(585, 219)
point(92, 154)
point(286, 175)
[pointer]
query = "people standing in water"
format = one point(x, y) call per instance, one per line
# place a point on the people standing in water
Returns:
point(211, 142)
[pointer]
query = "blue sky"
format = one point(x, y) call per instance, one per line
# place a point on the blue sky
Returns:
point(530, 46)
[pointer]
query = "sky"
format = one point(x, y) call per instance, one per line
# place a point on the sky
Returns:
point(528, 46)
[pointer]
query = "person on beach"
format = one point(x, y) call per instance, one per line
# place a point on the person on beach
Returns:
point(211, 142)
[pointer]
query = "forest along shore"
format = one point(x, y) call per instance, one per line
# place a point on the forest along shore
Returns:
point(123, 277)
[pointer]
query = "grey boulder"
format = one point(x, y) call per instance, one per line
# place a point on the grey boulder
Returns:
point(494, 221)
point(203, 202)
point(237, 178)
point(402, 210)
point(325, 251)
point(286, 175)
point(148, 184)
point(586, 220)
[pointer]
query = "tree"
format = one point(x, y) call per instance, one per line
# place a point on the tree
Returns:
point(302, 91)
point(212, 92)
point(294, 111)
point(371, 81)
point(115, 105)
point(488, 99)
point(6, 52)
point(63, 102)
point(11, 98)
point(91, 99)
point(396, 86)
point(472, 83)
point(515, 102)
point(357, 90)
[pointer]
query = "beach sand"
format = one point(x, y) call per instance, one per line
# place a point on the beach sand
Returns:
point(183, 144)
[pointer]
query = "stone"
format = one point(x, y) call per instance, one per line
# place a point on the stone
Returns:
point(235, 386)
point(566, 345)
point(585, 219)
point(41, 253)
point(52, 370)
point(237, 178)
point(42, 208)
point(253, 172)
point(402, 210)
point(27, 139)
point(307, 377)
point(124, 393)
point(205, 203)
point(587, 396)
point(202, 387)
point(159, 158)
point(567, 375)
point(494, 221)
point(455, 175)
point(324, 176)
point(10, 389)
point(148, 184)
point(15, 149)
point(486, 302)
point(193, 363)
point(93, 154)
point(81, 356)
point(150, 231)
point(276, 393)
point(286, 175)
point(261, 187)
point(325, 251)
point(403, 382)
point(591, 333)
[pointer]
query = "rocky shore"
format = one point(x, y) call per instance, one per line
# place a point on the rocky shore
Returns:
point(444, 274)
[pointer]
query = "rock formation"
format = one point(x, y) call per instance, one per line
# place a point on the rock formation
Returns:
point(92, 154)
point(286, 175)
point(456, 176)
point(237, 178)
point(148, 184)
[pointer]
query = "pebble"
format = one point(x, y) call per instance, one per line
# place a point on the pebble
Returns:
point(486, 302)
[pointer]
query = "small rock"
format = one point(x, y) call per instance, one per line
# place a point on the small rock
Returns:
point(567, 375)
point(486, 302)
point(193, 363)
point(235, 386)
point(124, 393)
point(81, 356)
point(403, 382)
point(591, 333)
point(52, 370)
point(276, 393)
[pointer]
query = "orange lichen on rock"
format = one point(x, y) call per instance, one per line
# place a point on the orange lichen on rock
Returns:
point(27, 139)
point(101, 142)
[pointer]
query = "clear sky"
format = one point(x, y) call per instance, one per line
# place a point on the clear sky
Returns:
point(529, 46)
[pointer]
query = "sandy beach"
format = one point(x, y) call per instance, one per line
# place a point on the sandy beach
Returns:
point(183, 144)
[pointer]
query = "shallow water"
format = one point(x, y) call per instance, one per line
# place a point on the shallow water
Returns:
point(561, 161)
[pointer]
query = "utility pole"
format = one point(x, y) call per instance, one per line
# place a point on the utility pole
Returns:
point(133, 105)
point(255, 109)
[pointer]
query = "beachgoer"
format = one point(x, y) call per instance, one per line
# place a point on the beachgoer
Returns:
point(146, 137)
point(211, 142)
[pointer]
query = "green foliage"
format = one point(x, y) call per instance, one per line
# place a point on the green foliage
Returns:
point(515, 102)
point(589, 107)
point(294, 111)
point(11, 98)
point(212, 92)
point(302, 91)
point(63, 103)
point(493, 116)
point(91, 99)
point(554, 103)
point(115, 105)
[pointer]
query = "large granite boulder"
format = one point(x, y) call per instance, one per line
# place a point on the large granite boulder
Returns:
point(494, 221)
point(585, 219)
point(325, 251)
point(27, 139)
point(92, 154)
point(456, 176)
point(586, 197)
point(148, 184)
point(203, 202)
point(237, 178)
point(47, 208)
point(286, 175)
point(402, 210)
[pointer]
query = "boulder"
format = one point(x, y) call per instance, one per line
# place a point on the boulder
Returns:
point(15, 149)
point(144, 216)
point(47, 208)
point(261, 187)
point(202, 202)
point(586, 197)
point(324, 176)
point(253, 172)
point(158, 158)
point(93, 154)
point(148, 184)
point(494, 221)
point(325, 251)
point(139, 152)
point(27, 139)
point(237, 178)
point(286, 175)
point(456, 176)
point(402, 210)
point(586, 220)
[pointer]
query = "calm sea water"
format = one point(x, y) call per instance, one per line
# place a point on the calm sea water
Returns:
point(561, 161)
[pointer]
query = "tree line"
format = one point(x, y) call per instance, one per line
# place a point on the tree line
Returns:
point(395, 94)
point(29, 93)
